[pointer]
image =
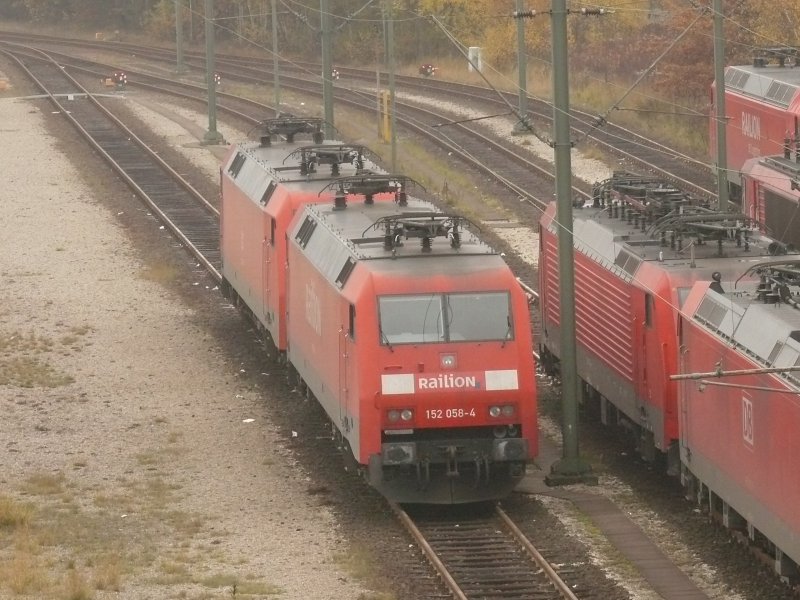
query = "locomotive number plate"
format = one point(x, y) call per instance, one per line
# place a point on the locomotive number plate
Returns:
point(449, 413)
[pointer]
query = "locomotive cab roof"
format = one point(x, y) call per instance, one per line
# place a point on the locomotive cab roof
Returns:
point(759, 313)
point(336, 239)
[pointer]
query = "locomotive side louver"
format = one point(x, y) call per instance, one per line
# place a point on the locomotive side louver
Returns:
point(344, 274)
point(236, 164)
point(268, 193)
point(306, 229)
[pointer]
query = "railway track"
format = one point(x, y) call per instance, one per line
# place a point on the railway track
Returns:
point(637, 151)
point(520, 174)
point(485, 557)
point(187, 214)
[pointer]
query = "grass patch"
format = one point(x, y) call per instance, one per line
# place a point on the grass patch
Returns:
point(107, 575)
point(14, 514)
point(16, 342)
point(22, 571)
point(23, 574)
point(238, 587)
point(45, 484)
point(359, 562)
point(75, 587)
point(21, 364)
point(161, 273)
point(26, 372)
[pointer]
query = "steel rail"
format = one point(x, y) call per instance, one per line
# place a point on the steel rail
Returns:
point(134, 183)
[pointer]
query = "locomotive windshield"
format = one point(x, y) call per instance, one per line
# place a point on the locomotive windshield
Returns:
point(436, 318)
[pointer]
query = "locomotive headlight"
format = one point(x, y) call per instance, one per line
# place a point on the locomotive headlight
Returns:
point(406, 414)
point(393, 415)
point(500, 431)
point(508, 410)
point(494, 411)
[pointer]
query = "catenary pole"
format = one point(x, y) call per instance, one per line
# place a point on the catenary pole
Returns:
point(212, 136)
point(522, 65)
point(392, 98)
point(327, 67)
point(719, 102)
point(570, 468)
point(179, 68)
point(276, 78)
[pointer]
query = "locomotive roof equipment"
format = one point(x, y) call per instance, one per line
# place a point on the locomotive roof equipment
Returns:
point(328, 154)
point(369, 183)
point(289, 126)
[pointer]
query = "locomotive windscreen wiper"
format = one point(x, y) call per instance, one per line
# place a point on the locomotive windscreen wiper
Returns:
point(385, 339)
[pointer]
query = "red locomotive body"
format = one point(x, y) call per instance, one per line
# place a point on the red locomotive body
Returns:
point(257, 208)
point(637, 252)
point(739, 434)
point(772, 196)
point(412, 334)
point(762, 103)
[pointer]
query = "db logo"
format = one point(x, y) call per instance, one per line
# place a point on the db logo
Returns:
point(747, 421)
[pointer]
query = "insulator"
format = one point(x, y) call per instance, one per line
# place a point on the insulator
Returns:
point(523, 14)
point(593, 11)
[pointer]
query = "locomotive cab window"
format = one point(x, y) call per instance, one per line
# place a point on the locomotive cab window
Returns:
point(436, 318)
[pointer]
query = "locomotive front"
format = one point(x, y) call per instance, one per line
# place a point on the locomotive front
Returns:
point(447, 379)
point(455, 393)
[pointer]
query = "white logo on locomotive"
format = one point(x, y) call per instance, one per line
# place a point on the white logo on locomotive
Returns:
point(747, 420)
point(751, 126)
point(447, 381)
point(313, 309)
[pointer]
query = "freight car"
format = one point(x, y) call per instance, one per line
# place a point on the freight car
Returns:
point(638, 248)
point(738, 434)
point(412, 334)
point(762, 103)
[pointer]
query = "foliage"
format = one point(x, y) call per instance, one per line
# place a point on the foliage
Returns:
point(111, 13)
point(160, 22)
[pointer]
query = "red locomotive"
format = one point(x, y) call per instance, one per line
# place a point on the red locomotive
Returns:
point(645, 253)
point(739, 434)
point(412, 334)
point(762, 103)
point(637, 250)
